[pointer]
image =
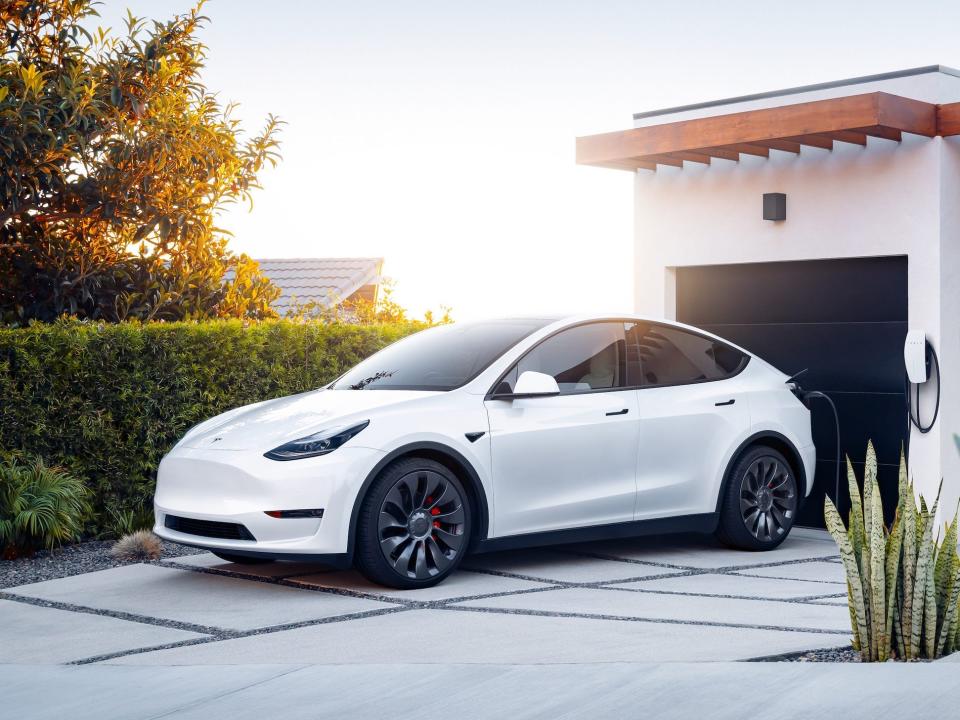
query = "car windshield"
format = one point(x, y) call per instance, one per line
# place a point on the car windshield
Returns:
point(441, 358)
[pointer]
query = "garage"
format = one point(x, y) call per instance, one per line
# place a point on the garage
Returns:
point(845, 320)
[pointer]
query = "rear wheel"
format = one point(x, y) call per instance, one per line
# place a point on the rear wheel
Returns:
point(242, 559)
point(414, 525)
point(760, 501)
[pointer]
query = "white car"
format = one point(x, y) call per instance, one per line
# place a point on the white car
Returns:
point(493, 435)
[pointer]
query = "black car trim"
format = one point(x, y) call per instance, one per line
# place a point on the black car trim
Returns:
point(699, 523)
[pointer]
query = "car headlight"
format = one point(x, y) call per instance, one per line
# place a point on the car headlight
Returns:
point(320, 443)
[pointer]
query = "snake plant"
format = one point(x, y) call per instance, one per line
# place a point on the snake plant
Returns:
point(903, 585)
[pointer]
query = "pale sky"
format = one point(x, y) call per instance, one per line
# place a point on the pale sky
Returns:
point(440, 135)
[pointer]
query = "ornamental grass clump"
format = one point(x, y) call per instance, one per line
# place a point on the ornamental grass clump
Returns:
point(139, 546)
point(903, 585)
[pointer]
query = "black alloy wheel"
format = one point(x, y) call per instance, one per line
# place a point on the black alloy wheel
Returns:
point(760, 501)
point(414, 525)
point(768, 499)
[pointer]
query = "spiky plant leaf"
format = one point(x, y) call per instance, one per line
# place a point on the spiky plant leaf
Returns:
point(854, 583)
point(943, 568)
point(856, 529)
point(878, 585)
point(909, 516)
point(944, 636)
point(953, 631)
point(898, 625)
point(930, 595)
point(930, 613)
point(868, 513)
point(924, 510)
point(892, 571)
point(920, 586)
point(855, 641)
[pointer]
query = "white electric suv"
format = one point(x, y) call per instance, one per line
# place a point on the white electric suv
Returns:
point(493, 435)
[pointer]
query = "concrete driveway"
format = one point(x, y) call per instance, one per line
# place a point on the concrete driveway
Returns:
point(672, 599)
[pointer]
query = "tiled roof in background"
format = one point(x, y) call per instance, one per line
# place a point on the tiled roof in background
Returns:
point(326, 281)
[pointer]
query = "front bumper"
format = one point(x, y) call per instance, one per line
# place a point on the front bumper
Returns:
point(239, 487)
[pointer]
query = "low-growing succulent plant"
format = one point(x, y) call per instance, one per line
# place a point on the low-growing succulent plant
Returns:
point(138, 546)
point(903, 586)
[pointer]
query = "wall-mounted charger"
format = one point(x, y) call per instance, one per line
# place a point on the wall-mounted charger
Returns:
point(915, 356)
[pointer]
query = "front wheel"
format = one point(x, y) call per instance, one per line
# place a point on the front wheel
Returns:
point(760, 501)
point(414, 525)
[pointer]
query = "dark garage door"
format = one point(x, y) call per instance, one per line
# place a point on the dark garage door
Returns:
point(846, 321)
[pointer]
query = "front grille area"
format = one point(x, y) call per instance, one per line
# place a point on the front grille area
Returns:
point(208, 528)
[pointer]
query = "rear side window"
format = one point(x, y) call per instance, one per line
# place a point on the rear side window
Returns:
point(581, 359)
point(664, 355)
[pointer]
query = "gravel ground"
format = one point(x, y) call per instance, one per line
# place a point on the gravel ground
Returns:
point(843, 654)
point(71, 560)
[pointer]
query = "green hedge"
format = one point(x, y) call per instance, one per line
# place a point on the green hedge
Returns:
point(108, 401)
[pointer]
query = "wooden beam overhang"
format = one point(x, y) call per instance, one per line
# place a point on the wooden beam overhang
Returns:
point(818, 124)
point(948, 119)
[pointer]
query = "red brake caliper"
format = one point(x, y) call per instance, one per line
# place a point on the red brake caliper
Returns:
point(434, 511)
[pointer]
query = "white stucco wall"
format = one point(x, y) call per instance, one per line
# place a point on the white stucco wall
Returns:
point(885, 199)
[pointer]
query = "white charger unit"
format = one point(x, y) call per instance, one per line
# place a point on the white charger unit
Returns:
point(915, 356)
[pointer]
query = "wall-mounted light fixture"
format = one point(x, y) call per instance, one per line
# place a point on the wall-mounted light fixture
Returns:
point(774, 206)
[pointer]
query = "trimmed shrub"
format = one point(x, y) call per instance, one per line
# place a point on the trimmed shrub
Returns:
point(40, 506)
point(107, 401)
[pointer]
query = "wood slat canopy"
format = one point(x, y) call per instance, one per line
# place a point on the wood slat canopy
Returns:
point(755, 132)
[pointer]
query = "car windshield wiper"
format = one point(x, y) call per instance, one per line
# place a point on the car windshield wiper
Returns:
point(361, 384)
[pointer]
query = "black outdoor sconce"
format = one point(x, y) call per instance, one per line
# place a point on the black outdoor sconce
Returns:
point(774, 206)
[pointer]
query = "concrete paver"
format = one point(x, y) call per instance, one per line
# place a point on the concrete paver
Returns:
point(671, 598)
point(822, 572)
point(734, 585)
point(560, 566)
point(189, 597)
point(702, 552)
point(459, 585)
point(451, 636)
point(667, 691)
point(32, 634)
point(771, 613)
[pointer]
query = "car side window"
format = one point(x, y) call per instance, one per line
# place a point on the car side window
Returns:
point(581, 359)
point(664, 355)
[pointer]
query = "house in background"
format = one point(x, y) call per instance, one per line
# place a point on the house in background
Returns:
point(324, 281)
point(815, 226)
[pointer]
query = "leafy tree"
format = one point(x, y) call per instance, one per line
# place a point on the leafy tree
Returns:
point(114, 163)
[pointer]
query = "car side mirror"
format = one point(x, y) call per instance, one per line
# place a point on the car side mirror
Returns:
point(533, 384)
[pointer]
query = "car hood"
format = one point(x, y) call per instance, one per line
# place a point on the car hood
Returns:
point(266, 425)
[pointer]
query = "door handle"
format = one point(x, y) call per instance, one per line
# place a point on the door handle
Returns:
point(618, 412)
point(731, 401)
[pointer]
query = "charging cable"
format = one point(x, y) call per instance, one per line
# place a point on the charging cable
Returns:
point(805, 395)
point(836, 427)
